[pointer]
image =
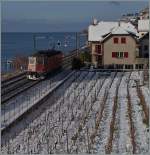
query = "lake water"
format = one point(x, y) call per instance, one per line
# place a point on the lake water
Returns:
point(24, 44)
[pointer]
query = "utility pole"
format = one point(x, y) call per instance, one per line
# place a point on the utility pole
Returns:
point(34, 42)
point(77, 43)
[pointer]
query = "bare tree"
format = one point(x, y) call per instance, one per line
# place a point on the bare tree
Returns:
point(20, 62)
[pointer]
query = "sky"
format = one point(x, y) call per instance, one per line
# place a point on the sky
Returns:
point(61, 16)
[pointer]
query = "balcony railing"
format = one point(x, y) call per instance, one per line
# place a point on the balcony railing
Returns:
point(141, 60)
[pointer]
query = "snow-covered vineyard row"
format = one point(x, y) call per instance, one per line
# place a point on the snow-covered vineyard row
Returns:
point(90, 114)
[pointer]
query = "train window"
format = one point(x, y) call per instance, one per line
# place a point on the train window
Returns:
point(31, 60)
point(40, 60)
point(45, 61)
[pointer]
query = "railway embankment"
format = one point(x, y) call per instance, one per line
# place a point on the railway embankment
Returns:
point(6, 125)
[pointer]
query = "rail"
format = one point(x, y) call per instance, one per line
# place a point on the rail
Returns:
point(8, 80)
point(10, 117)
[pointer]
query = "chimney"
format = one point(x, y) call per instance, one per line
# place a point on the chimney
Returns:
point(119, 23)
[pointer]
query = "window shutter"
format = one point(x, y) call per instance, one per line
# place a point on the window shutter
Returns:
point(126, 54)
point(113, 54)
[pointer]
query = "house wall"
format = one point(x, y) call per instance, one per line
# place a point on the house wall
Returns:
point(129, 47)
point(108, 47)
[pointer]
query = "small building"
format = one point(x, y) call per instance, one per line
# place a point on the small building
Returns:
point(144, 14)
point(144, 46)
point(115, 45)
point(143, 27)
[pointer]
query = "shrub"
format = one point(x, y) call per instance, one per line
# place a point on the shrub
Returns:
point(77, 63)
point(85, 56)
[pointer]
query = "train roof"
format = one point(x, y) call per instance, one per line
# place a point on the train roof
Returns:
point(48, 53)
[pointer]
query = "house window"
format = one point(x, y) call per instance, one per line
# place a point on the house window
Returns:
point(98, 49)
point(121, 55)
point(117, 54)
point(126, 54)
point(145, 48)
point(115, 40)
point(123, 40)
point(146, 55)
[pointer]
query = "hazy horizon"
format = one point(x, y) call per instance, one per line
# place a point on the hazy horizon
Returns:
point(61, 16)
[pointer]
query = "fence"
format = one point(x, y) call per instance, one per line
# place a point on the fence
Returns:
point(14, 108)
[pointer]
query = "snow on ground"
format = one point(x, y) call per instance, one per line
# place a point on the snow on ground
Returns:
point(54, 109)
point(66, 126)
point(103, 133)
point(142, 139)
point(90, 112)
point(146, 93)
point(122, 132)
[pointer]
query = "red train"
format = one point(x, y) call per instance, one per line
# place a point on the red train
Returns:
point(43, 62)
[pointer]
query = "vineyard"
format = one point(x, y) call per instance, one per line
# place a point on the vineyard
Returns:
point(91, 112)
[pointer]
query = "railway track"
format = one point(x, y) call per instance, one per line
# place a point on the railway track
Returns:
point(33, 105)
point(13, 79)
point(12, 91)
point(13, 85)
point(16, 85)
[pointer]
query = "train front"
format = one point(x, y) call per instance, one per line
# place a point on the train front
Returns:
point(36, 68)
